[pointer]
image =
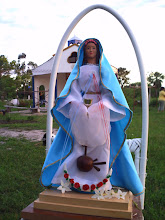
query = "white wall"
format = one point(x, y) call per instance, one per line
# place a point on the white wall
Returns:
point(64, 66)
point(61, 80)
point(44, 80)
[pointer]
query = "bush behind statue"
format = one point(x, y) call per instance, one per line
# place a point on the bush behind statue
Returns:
point(25, 103)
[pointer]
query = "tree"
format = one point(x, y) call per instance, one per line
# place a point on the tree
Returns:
point(8, 68)
point(4, 65)
point(21, 83)
point(123, 77)
point(24, 79)
point(155, 79)
point(8, 87)
point(137, 84)
point(7, 84)
point(31, 65)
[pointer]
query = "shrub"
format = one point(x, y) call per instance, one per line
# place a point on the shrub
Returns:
point(25, 103)
point(30, 118)
point(153, 102)
point(8, 118)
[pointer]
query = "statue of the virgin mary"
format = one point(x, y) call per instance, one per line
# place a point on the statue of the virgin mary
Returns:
point(93, 116)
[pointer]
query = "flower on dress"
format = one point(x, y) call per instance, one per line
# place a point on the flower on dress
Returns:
point(66, 175)
point(64, 187)
point(105, 180)
point(85, 187)
point(71, 181)
point(110, 194)
point(99, 184)
point(77, 185)
point(93, 187)
point(98, 194)
point(120, 194)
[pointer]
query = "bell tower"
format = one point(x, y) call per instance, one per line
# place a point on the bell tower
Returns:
point(74, 40)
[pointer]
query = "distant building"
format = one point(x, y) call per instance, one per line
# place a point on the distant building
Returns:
point(41, 74)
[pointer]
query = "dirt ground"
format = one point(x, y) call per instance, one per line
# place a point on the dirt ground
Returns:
point(33, 135)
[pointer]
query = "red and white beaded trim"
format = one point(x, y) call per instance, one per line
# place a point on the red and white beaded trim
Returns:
point(85, 187)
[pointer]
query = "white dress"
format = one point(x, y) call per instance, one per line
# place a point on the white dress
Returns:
point(90, 126)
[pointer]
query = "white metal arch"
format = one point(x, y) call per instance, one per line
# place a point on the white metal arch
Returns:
point(144, 89)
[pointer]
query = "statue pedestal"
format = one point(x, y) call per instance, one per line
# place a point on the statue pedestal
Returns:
point(52, 204)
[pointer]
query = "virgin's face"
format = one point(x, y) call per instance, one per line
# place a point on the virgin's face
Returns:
point(90, 51)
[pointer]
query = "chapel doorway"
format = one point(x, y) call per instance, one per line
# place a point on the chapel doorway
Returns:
point(42, 96)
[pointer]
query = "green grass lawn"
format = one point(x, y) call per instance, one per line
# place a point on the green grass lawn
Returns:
point(21, 164)
point(27, 122)
point(155, 181)
point(22, 160)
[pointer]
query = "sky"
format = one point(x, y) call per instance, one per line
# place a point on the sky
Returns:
point(35, 27)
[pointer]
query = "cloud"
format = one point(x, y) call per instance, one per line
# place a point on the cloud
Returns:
point(3, 21)
point(36, 28)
